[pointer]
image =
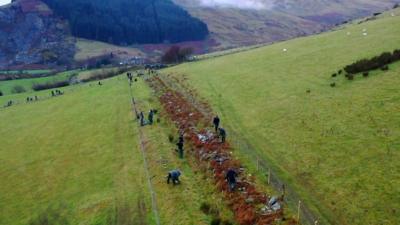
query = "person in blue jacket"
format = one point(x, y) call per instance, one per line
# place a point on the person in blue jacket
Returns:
point(174, 175)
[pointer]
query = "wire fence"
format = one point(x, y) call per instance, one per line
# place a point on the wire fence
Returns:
point(303, 213)
point(144, 156)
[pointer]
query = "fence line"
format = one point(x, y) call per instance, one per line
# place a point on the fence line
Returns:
point(306, 215)
point(142, 148)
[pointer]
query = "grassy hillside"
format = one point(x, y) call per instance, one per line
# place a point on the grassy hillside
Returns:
point(87, 49)
point(7, 86)
point(75, 159)
point(282, 20)
point(79, 164)
point(338, 147)
point(33, 72)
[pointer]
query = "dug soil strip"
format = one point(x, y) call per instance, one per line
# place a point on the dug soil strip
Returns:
point(306, 215)
point(247, 203)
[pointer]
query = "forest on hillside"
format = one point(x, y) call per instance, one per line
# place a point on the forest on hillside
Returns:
point(126, 22)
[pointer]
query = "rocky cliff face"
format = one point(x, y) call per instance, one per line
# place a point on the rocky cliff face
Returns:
point(30, 34)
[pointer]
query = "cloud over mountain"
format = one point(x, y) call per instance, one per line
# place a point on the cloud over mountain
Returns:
point(245, 4)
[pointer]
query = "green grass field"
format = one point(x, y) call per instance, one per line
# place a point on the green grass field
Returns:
point(7, 86)
point(33, 72)
point(75, 159)
point(338, 147)
point(89, 49)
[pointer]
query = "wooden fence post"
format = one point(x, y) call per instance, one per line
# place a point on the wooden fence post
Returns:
point(269, 176)
point(258, 164)
point(298, 212)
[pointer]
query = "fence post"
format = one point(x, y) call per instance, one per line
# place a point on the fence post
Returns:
point(258, 164)
point(269, 176)
point(298, 212)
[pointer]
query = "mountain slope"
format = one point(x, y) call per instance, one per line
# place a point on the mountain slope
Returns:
point(235, 25)
point(126, 22)
point(337, 147)
point(29, 33)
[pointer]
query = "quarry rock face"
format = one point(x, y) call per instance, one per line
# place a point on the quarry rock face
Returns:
point(30, 34)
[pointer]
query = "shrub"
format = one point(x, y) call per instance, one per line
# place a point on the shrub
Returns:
point(104, 74)
point(171, 139)
point(18, 89)
point(374, 63)
point(396, 6)
point(49, 85)
point(308, 91)
point(208, 209)
point(384, 58)
point(176, 54)
point(340, 72)
point(365, 74)
point(226, 222)
point(1, 93)
point(385, 68)
point(205, 207)
point(52, 215)
point(216, 221)
point(333, 84)
point(334, 75)
point(350, 76)
point(396, 55)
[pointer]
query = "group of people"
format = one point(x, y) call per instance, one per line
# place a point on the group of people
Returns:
point(173, 175)
point(221, 133)
point(56, 93)
point(35, 98)
point(31, 99)
point(130, 77)
point(230, 175)
point(150, 117)
point(9, 103)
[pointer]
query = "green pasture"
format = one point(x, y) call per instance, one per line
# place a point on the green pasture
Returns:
point(33, 72)
point(337, 147)
point(76, 159)
point(7, 86)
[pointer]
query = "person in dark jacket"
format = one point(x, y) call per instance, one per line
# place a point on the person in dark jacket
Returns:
point(222, 134)
point(141, 119)
point(180, 146)
point(216, 121)
point(174, 175)
point(231, 178)
point(151, 116)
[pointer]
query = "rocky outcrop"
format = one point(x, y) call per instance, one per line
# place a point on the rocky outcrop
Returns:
point(30, 34)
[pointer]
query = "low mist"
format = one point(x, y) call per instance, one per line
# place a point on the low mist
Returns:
point(244, 4)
